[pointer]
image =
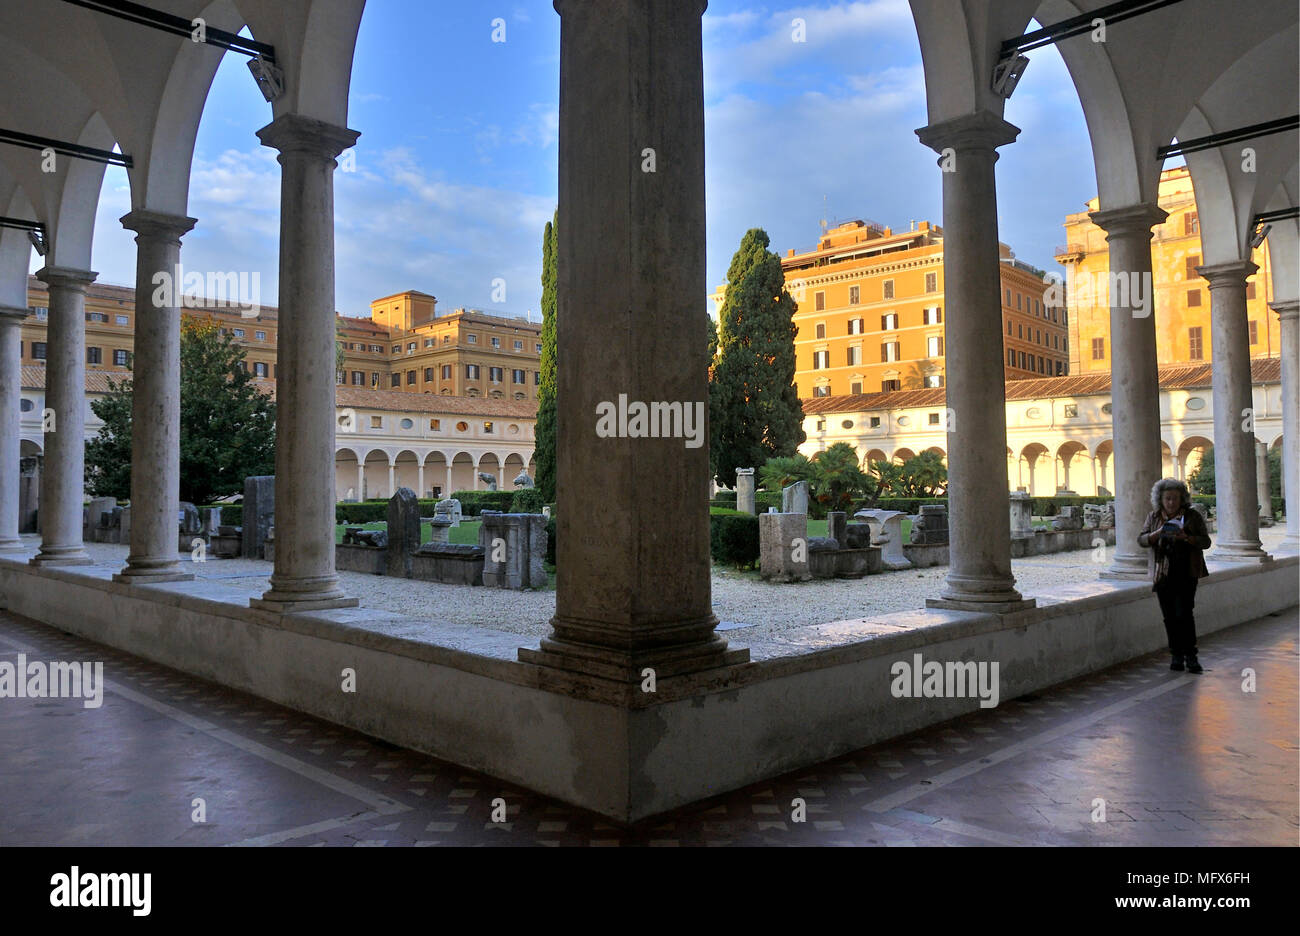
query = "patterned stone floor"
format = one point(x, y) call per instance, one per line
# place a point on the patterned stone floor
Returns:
point(1170, 758)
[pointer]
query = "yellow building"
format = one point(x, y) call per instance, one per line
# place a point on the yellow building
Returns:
point(871, 306)
point(404, 345)
point(1182, 298)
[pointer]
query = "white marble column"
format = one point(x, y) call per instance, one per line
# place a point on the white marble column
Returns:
point(1288, 314)
point(63, 477)
point(979, 523)
point(1092, 462)
point(304, 577)
point(1264, 492)
point(419, 483)
point(155, 401)
point(11, 320)
point(392, 479)
point(1134, 381)
point(1235, 501)
point(446, 492)
point(361, 480)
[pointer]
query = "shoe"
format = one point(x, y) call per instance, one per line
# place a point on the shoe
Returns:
point(1177, 664)
point(1194, 665)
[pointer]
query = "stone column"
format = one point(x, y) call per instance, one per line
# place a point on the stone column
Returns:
point(1236, 507)
point(63, 476)
point(304, 577)
point(361, 480)
point(1262, 487)
point(420, 480)
point(155, 400)
point(635, 591)
point(392, 479)
point(10, 424)
point(1288, 314)
point(1092, 462)
point(1134, 380)
point(979, 525)
point(446, 492)
point(745, 495)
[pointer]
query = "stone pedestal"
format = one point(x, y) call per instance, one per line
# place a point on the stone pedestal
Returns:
point(979, 575)
point(1236, 504)
point(1288, 314)
point(155, 400)
point(887, 529)
point(634, 583)
point(746, 500)
point(783, 547)
point(258, 513)
point(1134, 380)
point(1022, 514)
point(514, 549)
point(403, 532)
point(304, 577)
point(10, 431)
point(64, 473)
point(794, 498)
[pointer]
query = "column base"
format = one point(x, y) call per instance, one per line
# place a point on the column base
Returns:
point(986, 607)
point(12, 546)
point(127, 577)
point(625, 667)
point(1127, 568)
point(71, 557)
point(291, 605)
point(1238, 554)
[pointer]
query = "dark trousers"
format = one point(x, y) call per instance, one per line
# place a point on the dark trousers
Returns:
point(1177, 595)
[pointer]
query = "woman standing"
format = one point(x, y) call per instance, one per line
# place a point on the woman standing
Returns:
point(1177, 537)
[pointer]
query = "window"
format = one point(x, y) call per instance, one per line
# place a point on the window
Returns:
point(338, 376)
point(1008, 326)
point(487, 427)
point(96, 317)
point(887, 385)
point(446, 372)
point(1191, 223)
point(519, 346)
point(411, 346)
point(1254, 333)
point(1042, 368)
point(518, 376)
point(539, 347)
point(855, 295)
point(1192, 262)
point(94, 355)
point(1060, 368)
point(374, 379)
point(887, 289)
point(471, 339)
point(1037, 309)
point(397, 349)
point(854, 355)
point(821, 330)
point(1038, 336)
point(1011, 358)
point(428, 375)
point(261, 336)
point(121, 320)
point(1250, 289)
point(496, 342)
point(1071, 409)
point(1193, 298)
point(855, 326)
point(855, 387)
point(889, 321)
point(819, 301)
point(934, 346)
point(1020, 332)
point(889, 351)
point(462, 427)
point(435, 425)
point(933, 316)
point(410, 377)
point(1056, 342)
point(934, 417)
point(120, 356)
point(537, 378)
point(1017, 302)
point(471, 371)
point(259, 369)
point(358, 378)
point(931, 282)
point(1023, 366)
point(875, 422)
point(1098, 349)
point(407, 423)
point(496, 374)
point(821, 391)
point(397, 380)
point(376, 348)
point(376, 422)
point(239, 333)
point(430, 342)
point(821, 360)
point(1008, 302)
point(1195, 352)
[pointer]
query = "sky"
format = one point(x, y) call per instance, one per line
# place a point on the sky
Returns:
point(456, 168)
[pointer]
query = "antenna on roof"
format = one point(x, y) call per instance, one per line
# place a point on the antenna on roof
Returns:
point(824, 213)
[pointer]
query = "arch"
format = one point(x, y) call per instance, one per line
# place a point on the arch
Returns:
point(901, 455)
point(406, 471)
point(873, 455)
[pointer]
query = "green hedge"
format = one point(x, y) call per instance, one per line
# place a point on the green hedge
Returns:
point(724, 499)
point(472, 503)
point(527, 500)
point(231, 514)
point(364, 512)
point(733, 538)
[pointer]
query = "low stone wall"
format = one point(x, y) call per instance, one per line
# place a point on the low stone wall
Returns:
point(844, 563)
point(1054, 541)
point(351, 558)
point(923, 555)
point(450, 565)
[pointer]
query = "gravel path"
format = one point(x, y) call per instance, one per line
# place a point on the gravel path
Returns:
point(738, 597)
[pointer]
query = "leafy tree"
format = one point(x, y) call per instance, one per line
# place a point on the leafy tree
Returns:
point(754, 406)
point(227, 422)
point(838, 480)
point(1201, 481)
point(921, 475)
point(545, 431)
point(784, 471)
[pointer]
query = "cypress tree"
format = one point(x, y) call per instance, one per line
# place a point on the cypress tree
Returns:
point(545, 433)
point(754, 407)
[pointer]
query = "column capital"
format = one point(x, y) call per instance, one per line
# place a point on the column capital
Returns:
point(1232, 273)
point(1287, 309)
point(305, 136)
point(158, 224)
point(66, 276)
point(12, 315)
point(980, 130)
point(1131, 219)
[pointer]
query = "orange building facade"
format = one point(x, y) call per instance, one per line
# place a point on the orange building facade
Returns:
point(1181, 297)
point(871, 313)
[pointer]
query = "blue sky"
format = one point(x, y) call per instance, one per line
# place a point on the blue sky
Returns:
point(456, 166)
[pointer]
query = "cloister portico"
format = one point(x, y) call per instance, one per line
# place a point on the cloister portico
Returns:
point(571, 716)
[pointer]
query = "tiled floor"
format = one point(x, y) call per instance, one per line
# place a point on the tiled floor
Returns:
point(1167, 758)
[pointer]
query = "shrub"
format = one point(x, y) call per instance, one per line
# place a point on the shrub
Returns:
point(231, 514)
point(527, 500)
point(724, 499)
point(733, 538)
point(365, 512)
point(472, 503)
